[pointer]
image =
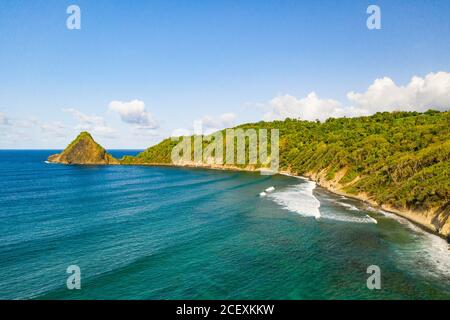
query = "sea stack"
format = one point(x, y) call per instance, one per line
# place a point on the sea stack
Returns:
point(84, 150)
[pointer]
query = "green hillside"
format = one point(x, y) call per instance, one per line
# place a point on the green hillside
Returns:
point(401, 159)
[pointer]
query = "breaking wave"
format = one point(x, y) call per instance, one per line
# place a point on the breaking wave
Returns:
point(348, 218)
point(348, 206)
point(299, 199)
point(433, 251)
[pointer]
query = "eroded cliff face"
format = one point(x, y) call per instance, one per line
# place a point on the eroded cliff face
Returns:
point(434, 219)
point(85, 151)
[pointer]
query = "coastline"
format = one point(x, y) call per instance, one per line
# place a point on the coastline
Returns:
point(417, 218)
point(421, 223)
point(346, 233)
point(407, 214)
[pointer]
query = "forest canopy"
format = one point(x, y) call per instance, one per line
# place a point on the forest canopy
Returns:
point(401, 158)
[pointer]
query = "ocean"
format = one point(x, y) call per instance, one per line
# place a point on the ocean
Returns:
point(141, 232)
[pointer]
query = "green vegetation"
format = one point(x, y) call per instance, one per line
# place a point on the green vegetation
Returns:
point(159, 154)
point(83, 150)
point(401, 159)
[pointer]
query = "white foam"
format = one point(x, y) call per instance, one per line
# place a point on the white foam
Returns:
point(349, 206)
point(433, 250)
point(349, 218)
point(372, 219)
point(262, 194)
point(402, 220)
point(47, 161)
point(270, 189)
point(299, 199)
point(437, 252)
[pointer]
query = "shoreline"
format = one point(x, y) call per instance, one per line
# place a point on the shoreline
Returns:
point(414, 218)
point(371, 204)
point(374, 206)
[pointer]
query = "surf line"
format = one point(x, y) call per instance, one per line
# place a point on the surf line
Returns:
point(298, 198)
point(318, 215)
point(266, 191)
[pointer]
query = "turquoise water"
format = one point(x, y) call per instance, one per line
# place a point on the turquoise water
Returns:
point(175, 233)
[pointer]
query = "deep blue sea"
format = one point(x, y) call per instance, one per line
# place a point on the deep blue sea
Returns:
point(176, 233)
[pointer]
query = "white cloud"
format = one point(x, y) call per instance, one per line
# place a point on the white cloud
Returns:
point(209, 124)
point(15, 131)
point(287, 106)
point(420, 94)
point(181, 132)
point(54, 129)
point(19, 123)
point(134, 112)
point(311, 107)
point(258, 106)
point(92, 123)
point(3, 120)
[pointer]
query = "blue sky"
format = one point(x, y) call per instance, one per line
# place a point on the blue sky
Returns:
point(169, 63)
